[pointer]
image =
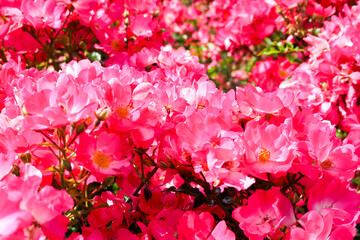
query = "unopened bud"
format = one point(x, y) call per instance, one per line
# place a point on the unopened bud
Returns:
point(16, 170)
point(102, 114)
point(25, 157)
point(80, 128)
point(156, 14)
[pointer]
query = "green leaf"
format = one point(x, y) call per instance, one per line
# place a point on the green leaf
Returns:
point(356, 181)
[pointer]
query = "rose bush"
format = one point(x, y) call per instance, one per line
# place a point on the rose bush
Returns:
point(179, 119)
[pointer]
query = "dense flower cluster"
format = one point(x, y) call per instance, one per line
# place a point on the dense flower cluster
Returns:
point(108, 131)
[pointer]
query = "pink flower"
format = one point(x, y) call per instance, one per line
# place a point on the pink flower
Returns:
point(268, 149)
point(124, 233)
point(270, 73)
point(12, 218)
point(330, 195)
point(141, 6)
point(339, 160)
point(314, 226)
point(40, 13)
point(21, 203)
point(6, 161)
point(222, 232)
point(252, 101)
point(61, 99)
point(195, 226)
point(224, 165)
point(103, 155)
point(113, 213)
point(28, 45)
point(142, 26)
point(265, 213)
point(318, 9)
point(343, 232)
point(164, 224)
point(56, 228)
point(47, 203)
point(288, 3)
point(153, 205)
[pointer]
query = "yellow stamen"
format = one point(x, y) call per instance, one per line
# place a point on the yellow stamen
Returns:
point(101, 159)
point(264, 155)
point(123, 111)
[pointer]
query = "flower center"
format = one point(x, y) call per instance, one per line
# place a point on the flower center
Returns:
point(115, 44)
point(264, 155)
point(327, 164)
point(283, 73)
point(101, 159)
point(123, 111)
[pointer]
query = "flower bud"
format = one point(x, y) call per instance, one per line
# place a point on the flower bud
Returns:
point(80, 128)
point(102, 114)
point(25, 157)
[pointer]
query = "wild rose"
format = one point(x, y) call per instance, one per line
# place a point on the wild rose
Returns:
point(57, 104)
point(41, 13)
point(270, 73)
point(110, 209)
point(253, 102)
point(225, 168)
point(102, 155)
point(265, 212)
point(329, 154)
point(268, 149)
point(25, 204)
point(331, 195)
point(314, 226)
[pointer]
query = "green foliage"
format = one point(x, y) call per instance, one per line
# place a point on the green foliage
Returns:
point(341, 134)
point(279, 48)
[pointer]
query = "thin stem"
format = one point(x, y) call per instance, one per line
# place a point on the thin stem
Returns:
point(52, 141)
point(72, 141)
point(148, 177)
point(52, 150)
point(85, 196)
point(142, 167)
point(147, 155)
point(62, 27)
point(2, 55)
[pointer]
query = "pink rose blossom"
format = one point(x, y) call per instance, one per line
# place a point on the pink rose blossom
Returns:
point(268, 149)
point(265, 213)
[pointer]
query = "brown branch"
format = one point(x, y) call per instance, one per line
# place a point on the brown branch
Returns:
point(148, 177)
